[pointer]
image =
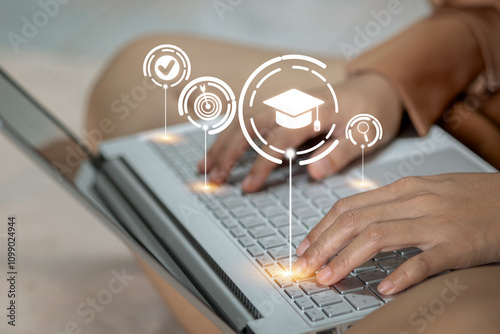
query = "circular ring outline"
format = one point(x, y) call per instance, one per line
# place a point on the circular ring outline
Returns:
point(229, 93)
point(245, 90)
point(352, 122)
point(146, 66)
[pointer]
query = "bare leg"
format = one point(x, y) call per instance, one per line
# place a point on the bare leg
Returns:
point(463, 301)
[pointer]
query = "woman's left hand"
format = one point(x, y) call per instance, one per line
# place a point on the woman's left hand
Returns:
point(453, 218)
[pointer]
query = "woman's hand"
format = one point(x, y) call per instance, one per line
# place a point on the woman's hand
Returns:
point(366, 93)
point(453, 218)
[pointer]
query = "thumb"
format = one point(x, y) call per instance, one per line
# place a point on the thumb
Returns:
point(340, 157)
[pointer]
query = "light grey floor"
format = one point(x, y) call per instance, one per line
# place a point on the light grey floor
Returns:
point(65, 255)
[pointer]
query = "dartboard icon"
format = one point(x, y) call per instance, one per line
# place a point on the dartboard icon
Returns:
point(214, 104)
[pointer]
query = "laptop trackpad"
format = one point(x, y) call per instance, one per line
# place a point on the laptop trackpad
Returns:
point(448, 161)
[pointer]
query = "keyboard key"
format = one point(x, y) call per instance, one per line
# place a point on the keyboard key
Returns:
point(315, 191)
point(294, 292)
point(312, 287)
point(246, 241)
point(242, 211)
point(271, 211)
point(261, 231)
point(231, 202)
point(264, 261)
point(372, 277)
point(237, 232)
point(274, 271)
point(389, 265)
point(279, 253)
point(221, 214)
point(285, 263)
point(229, 223)
point(409, 250)
point(384, 255)
point(311, 222)
point(284, 281)
point(251, 221)
point(368, 265)
point(362, 300)
point(261, 199)
point(255, 251)
point(304, 212)
point(315, 315)
point(271, 242)
point(337, 309)
point(296, 230)
point(348, 284)
point(304, 304)
point(281, 220)
point(385, 298)
point(326, 298)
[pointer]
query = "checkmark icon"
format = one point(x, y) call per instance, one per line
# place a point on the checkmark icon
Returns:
point(165, 69)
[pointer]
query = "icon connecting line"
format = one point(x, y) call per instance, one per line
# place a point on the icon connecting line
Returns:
point(165, 89)
point(290, 154)
point(205, 128)
point(363, 165)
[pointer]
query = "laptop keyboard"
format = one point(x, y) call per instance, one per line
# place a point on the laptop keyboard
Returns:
point(259, 224)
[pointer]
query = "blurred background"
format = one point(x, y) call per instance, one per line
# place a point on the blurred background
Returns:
point(56, 50)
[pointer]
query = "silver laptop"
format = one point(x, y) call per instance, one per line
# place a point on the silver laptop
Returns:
point(223, 250)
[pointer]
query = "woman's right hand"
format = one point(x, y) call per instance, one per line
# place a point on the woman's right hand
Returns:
point(365, 93)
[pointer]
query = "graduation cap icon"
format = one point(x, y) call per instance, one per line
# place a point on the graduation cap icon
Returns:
point(294, 109)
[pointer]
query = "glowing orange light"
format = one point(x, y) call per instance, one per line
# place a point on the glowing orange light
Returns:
point(200, 187)
point(168, 139)
point(359, 184)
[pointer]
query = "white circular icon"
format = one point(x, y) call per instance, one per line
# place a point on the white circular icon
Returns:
point(214, 105)
point(292, 109)
point(362, 124)
point(167, 65)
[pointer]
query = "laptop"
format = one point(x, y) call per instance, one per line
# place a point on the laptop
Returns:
point(225, 251)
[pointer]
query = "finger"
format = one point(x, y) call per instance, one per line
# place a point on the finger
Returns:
point(398, 191)
point(343, 230)
point(229, 146)
point(262, 167)
point(378, 237)
point(416, 269)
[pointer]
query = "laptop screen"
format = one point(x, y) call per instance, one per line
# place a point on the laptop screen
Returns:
point(37, 130)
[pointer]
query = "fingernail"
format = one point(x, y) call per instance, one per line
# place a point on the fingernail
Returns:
point(324, 275)
point(304, 245)
point(248, 182)
point(322, 168)
point(386, 287)
point(299, 267)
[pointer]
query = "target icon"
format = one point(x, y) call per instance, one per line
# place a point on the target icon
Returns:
point(207, 106)
point(214, 106)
